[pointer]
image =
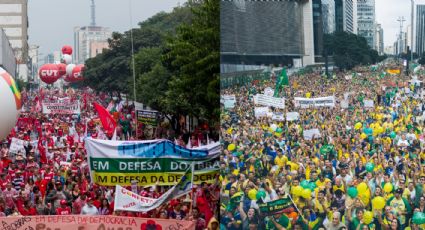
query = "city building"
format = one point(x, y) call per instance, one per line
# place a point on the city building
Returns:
point(89, 41)
point(277, 32)
point(401, 44)
point(53, 58)
point(366, 21)
point(323, 23)
point(7, 56)
point(389, 50)
point(379, 39)
point(346, 15)
point(419, 26)
point(33, 64)
point(328, 11)
point(14, 21)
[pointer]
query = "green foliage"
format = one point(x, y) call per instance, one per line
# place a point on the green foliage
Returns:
point(112, 70)
point(195, 50)
point(176, 61)
point(350, 50)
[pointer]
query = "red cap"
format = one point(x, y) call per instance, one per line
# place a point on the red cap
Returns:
point(63, 202)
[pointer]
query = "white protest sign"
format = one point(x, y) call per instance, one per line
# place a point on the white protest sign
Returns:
point(261, 111)
point(229, 101)
point(346, 95)
point(278, 116)
point(368, 103)
point(308, 134)
point(129, 201)
point(261, 99)
point(17, 145)
point(268, 91)
point(344, 104)
point(314, 102)
point(292, 116)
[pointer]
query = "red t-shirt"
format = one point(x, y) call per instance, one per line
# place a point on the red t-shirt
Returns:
point(63, 211)
point(49, 176)
point(97, 203)
point(6, 161)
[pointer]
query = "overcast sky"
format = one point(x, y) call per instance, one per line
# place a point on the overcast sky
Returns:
point(387, 13)
point(51, 22)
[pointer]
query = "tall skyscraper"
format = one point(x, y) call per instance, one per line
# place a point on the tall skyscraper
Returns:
point(379, 39)
point(14, 21)
point(419, 27)
point(346, 15)
point(89, 41)
point(366, 21)
point(323, 23)
point(328, 11)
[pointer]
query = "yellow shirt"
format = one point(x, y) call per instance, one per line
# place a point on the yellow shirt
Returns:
point(321, 206)
point(322, 184)
point(335, 187)
point(280, 161)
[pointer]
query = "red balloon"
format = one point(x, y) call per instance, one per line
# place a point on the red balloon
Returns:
point(77, 73)
point(67, 50)
point(62, 69)
point(49, 73)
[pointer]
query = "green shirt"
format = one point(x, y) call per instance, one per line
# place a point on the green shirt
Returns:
point(283, 220)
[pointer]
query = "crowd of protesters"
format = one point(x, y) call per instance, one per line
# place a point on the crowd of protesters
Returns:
point(50, 176)
point(366, 169)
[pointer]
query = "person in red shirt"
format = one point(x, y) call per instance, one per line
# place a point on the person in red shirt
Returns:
point(63, 209)
point(5, 160)
point(27, 209)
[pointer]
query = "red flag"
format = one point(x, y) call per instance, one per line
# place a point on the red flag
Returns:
point(42, 151)
point(108, 122)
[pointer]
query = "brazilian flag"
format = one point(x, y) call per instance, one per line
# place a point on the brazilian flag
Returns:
point(283, 80)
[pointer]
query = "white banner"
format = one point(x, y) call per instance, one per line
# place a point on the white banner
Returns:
point(129, 201)
point(308, 134)
point(183, 187)
point(268, 91)
point(61, 107)
point(368, 103)
point(292, 116)
point(261, 99)
point(229, 101)
point(261, 111)
point(314, 102)
point(278, 116)
point(17, 145)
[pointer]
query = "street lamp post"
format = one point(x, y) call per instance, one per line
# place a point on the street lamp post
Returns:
point(411, 31)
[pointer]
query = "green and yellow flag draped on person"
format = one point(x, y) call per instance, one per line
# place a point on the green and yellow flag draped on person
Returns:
point(283, 80)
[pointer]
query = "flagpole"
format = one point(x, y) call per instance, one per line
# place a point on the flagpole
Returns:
point(191, 185)
point(295, 205)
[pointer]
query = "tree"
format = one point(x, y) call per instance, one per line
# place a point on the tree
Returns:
point(194, 86)
point(350, 50)
point(112, 70)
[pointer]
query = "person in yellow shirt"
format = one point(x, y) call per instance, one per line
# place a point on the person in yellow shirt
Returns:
point(280, 160)
point(321, 204)
point(322, 181)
